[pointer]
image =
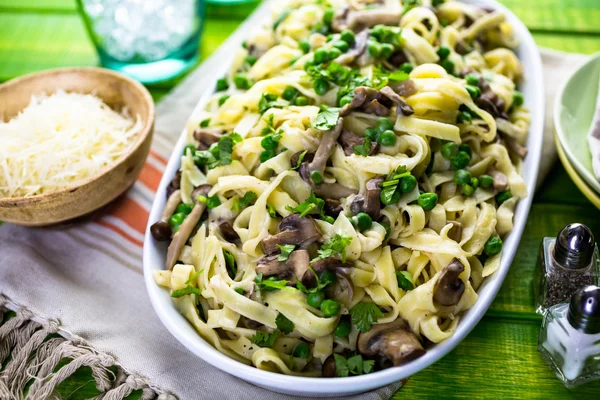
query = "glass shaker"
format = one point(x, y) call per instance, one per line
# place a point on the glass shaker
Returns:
point(565, 264)
point(570, 337)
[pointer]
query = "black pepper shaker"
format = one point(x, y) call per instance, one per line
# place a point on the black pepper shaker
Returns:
point(566, 263)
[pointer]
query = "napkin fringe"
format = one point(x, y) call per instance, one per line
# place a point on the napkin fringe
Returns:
point(32, 347)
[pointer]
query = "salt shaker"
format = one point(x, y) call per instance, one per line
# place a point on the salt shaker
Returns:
point(570, 337)
point(565, 264)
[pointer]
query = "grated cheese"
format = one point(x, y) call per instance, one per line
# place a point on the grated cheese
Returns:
point(59, 141)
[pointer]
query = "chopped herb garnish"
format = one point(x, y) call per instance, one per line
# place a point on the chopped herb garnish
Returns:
point(213, 201)
point(189, 289)
point(271, 210)
point(364, 315)
point(327, 118)
point(268, 101)
point(284, 324)
point(263, 339)
point(398, 76)
point(405, 280)
point(270, 284)
point(219, 153)
point(240, 290)
point(354, 365)
point(196, 275)
point(363, 149)
point(334, 246)
point(312, 205)
point(244, 201)
point(300, 160)
point(205, 123)
point(230, 264)
point(321, 284)
point(281, 18)
point(286, 250)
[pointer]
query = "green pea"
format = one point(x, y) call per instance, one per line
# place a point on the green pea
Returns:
point(321, 86)
point(384, 124)
point(176, 220)
point(348, 36)
point(472, 80)
point(493, 246)
point(503, 196)
point(316, 177)
point(464, 116)
point(330, 308)
point(239, 290)
point(443, 52)
point(475, 183)
point(448, 66)
point(334, 53)
point(308, 64)
point(183, 209)
point(320, 56)
point(462, 177)
point(222, 84)
point(268, 143)
point(315, 299)
point(467, 190)
point(461, 160)
point(518, 99)
point(449, 151)
point(486, 181)
point(408, 184)
point(342, 46)
point(406, 67)
point(304, 45)
point(427, 201)
point(386, 50)
point(474, 91)
point(372, 134)
point(387, 138)
point(343, 328)
point(301, 350)
point(301, 101)
point(374, 49)
point(189, 147)
point(466, 148)
point(241, 82)
point(327, 277)
point(289, 93)
point(251, 60)
point(328, 16)
point(347, 99)
point(362, 221)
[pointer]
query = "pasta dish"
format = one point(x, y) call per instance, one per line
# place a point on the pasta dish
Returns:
point(347, 188)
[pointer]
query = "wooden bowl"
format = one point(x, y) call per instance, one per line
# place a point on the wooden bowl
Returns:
point(115, 90)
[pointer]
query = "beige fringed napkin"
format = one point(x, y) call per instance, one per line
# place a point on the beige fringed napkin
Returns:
point(85, 282)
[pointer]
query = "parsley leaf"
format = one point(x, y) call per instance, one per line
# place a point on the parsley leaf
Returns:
point(354, 365)
point(284, 324)
point(219, 153)
point(263, 339)
point(230, 264)
point(245, 201)
point(270, 284)
point(334, 246)
point(300, 159)
point(196, 275)
point(327, 118)
point(398, 76)
point(312, 205)
point(320, 284)
point(405, 280)
point(205, 123)
point(286, 250)
point(363, 149)
point(341, 365)
point(364, 315)
point(271, 210)
point(268, 100)
point(189, 289)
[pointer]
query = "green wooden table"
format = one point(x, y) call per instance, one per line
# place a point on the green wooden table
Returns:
point(499, 358)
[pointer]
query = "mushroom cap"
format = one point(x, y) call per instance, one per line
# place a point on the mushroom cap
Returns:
point(393, 340)
point(449, 288)
point(328, 370)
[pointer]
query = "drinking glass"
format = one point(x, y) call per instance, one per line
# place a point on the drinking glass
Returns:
point(150, 40)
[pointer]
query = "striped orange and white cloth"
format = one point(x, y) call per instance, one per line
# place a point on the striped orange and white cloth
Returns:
point(84, 280)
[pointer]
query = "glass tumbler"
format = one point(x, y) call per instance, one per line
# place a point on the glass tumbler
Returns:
point(150, 40)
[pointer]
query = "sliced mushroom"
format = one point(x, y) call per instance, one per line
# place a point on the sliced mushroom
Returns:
point(328, 370)
point(250, 323)
point(449, 288)
point(359, 20)
point(405, 88)
point(369, 203)
point(228, 232)
point(293, 230)
point(393, 341)
point(342, 289)
point(295, 266)
point(500, 180)
point(161, 230)
point(206, 137)
point(321, 265)
point(455, 232)
point(201, 190)
point(357, 50)
point(364, 97)
point(332, 207)
point(185, 230)
point(269, 266)
point(403, 107)
point(348, 140)
point(308, 157)
point(398, 58)
point(514, 146)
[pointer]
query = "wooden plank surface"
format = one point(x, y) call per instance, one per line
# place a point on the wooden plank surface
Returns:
point(499, 358)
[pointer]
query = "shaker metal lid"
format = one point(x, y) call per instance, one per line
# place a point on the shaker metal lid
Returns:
point(574, 246)
point(584, 310)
